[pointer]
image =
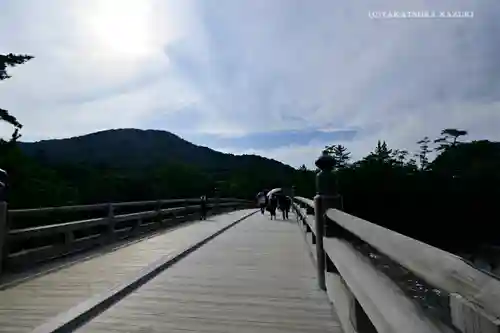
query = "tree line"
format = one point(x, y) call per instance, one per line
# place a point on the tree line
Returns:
point(449, 201)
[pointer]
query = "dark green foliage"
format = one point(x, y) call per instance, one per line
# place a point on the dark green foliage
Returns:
point(447, 135)
point(382, 154)
point(11, 60)
point(423, 154)
point(138, 149)
point(31, 184)
point(130, 164)
point(5, 116)
point(450, 202)
point(340, 154)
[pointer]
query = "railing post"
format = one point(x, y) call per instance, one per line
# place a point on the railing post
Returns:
point(3, 219)
point(3, 233)
point(159, 215)
point(69, 238)
point(322, 201)
point(467, 319)
point(111, 223)
point(185, 212)
point(216, 201)
point(292, 199)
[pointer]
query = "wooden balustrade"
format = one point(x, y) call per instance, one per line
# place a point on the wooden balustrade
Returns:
point(381, 281)
point(24, 246)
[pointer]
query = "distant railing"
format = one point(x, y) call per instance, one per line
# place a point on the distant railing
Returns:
point(381, 281)
point(31, 236)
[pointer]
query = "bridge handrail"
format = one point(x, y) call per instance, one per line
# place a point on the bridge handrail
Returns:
point(305, 201)
point(25, 246)
point(75, 225)
point(474, 296)
point(439, 268)
point(31, 211)
point(17, 234)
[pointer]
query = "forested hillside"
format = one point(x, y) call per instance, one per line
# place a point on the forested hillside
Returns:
point(131, 164)
point(451, 201)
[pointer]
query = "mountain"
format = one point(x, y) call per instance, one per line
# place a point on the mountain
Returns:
point(133, 165)
point(134, 148)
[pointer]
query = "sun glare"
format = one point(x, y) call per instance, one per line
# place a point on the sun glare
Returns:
point(121, 28)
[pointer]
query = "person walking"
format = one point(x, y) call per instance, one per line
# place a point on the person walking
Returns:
point(203, 207)
point(284, 205)
point(288, 205)
point(261, 201)
point(271, 207)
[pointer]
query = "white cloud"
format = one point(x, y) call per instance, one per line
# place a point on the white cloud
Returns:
point(294, 155)
point(238, 67)
point(98, 64)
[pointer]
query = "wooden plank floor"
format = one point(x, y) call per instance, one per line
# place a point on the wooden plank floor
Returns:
point(255, 277)
point(29, 304)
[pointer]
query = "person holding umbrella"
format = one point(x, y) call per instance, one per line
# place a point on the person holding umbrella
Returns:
point(273, 201)
point(272, 205)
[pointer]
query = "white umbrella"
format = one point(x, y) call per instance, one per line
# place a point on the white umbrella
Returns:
point(274, 190)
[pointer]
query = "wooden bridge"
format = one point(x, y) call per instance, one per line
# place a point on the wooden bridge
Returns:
point(154, 267)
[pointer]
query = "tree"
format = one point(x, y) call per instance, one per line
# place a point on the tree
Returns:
point(454, 133)
point(303, 168)
point(449, 134)
point(424, 152)
point(399, 155)
point(11, 60)
point(5, 116)
point(16, 135)
point(340, 154)
point(412, 164)
point(382, 153)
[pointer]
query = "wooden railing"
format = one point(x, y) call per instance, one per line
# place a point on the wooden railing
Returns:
point(31, 236)
point(381, 281)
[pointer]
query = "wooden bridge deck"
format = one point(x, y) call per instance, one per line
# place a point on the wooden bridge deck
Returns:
point(255, 277)
point(29, 304)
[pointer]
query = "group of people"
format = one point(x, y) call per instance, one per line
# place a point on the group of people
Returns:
point(273, 202)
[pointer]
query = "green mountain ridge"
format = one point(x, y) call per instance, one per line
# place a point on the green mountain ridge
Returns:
point(135, 148)
point(132, 165)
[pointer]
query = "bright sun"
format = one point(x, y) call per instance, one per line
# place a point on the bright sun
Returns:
point(121, 28)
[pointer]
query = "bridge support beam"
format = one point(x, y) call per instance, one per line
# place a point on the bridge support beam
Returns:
point(324, 199)
point(319, 211)
point(110, 237)
point(3, 233)
point(216, 201)
point(3, 218)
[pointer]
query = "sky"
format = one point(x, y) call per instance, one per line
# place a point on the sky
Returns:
point(278, 78)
